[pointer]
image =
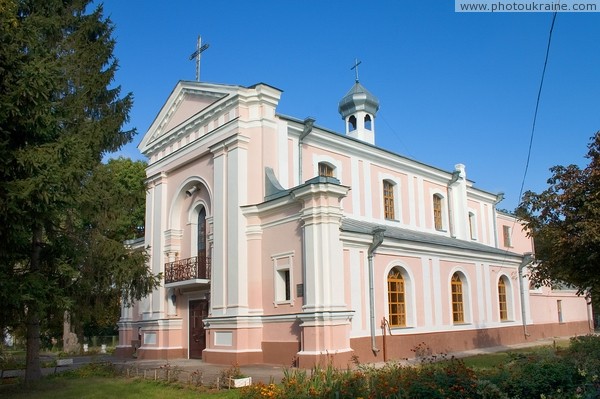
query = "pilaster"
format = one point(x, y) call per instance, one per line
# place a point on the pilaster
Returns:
point(230, 265)
point(323, 256)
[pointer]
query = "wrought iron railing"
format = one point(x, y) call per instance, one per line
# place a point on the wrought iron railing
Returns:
point(196, 267)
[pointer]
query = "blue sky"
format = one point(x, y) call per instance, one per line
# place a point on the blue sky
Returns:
point(453, 87)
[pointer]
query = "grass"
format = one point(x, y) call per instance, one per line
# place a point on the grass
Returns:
point(105, 387)
point(493, 360)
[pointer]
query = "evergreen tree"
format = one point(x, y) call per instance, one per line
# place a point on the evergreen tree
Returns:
point(59, 116)
point(110, 210)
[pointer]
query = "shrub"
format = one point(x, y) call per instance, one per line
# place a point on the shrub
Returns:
point(585, 352)
point(450, 379)
point(540, 374)
point(103, 369)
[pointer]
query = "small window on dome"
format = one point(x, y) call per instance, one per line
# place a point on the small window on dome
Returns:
point(352, 123)
point(368, 122)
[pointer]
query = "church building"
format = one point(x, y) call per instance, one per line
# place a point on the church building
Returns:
point(283, 242)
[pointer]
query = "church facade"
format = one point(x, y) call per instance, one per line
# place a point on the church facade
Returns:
point(283, 242)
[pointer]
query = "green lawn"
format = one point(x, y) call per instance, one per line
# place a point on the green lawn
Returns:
point(105, 387)
point(491, 360)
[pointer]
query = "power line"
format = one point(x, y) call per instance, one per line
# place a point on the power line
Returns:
point(537, 104)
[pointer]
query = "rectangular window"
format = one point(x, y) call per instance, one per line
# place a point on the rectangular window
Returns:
point(388, 200)
point(282, 285)
point(325, 170)
point(472, 226)
point(507, 235)
point(559, 309)
point(283, 278)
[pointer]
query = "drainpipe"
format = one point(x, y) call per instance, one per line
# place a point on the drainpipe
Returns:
point(499, 198)
point(308, 126)
point(588, 302)
point(377, 240)
point(527, 259)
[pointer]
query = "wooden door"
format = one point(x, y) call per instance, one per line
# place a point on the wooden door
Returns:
point(198, 312)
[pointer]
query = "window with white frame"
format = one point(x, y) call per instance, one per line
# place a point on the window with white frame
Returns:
point(396, 298)
point(437, 212)
point(502, 299)
point(458, 305)
point(283, 278)
point(388, 200)
point(460, 298)
point(473, 226)
point(325, 169)
point(507, 236)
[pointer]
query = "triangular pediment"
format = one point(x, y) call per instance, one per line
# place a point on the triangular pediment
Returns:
point(187, 100)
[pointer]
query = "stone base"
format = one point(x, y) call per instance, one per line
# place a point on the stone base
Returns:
point(157, 354)
point(124, 352)
point(396, 347)
point(284, 353)
point(240, 358)
point(338, 360)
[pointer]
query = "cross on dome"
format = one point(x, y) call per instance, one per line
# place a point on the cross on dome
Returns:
point(355, 67)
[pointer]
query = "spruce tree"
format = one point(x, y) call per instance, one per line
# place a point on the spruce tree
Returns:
point(59, 115)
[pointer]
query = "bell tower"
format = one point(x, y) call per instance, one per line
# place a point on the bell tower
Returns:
point(358, 108)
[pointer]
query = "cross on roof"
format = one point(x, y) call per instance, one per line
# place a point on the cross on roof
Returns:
point(355, 67)
point(196, 54)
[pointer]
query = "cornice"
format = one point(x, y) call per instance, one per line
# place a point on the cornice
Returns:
point(192, 125)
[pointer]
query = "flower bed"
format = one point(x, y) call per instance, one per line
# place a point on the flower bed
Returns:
point(547, 373)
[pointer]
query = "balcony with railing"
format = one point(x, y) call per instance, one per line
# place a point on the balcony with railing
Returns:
point(188, 272)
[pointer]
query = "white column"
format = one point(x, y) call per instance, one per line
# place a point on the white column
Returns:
point(218, 288)
point(323, 255)
point(237, 256)
point(159, 224)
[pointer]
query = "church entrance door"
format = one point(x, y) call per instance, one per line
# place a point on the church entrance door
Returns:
point(198, 312)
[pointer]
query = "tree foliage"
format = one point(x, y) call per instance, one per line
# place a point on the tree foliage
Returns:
point(110, 210)
point(59, 116)
point(565, 223)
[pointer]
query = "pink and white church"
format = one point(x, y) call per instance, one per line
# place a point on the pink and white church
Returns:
point(283, 242)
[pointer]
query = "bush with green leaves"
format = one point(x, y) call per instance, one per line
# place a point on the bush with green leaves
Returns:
point(585, 352)
point(540, 373)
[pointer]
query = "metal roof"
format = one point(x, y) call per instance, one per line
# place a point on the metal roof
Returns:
point(357, 226)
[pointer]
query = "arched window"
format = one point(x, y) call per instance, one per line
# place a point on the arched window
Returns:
point(388, 200)
point(458, 311)
point(368, 124)
point(502, 303)
point(396, 298)
point(202, 242)
point(325, 169)
point(352, 123)
point(437, 212)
